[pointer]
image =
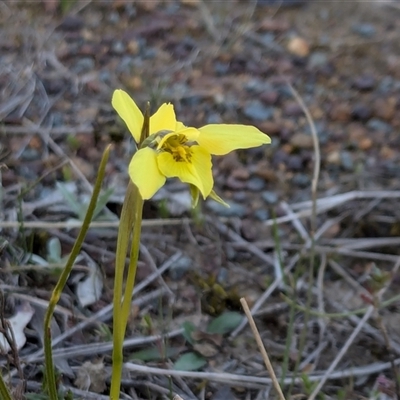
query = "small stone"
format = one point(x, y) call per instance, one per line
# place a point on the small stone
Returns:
point(117, 47)
point(230, 252)
point(240, 197)
point(113, 18)
point(221, 68)
point(365, 143)
point(249, 229)
point(234, 184)
point(133, 47)
point(317, 59)
point(333, 157)
point(214, 118)
point(361, 112)
point(340, 112)
point(269, 197)
point(71, 23)
point(30, 154)
point(178, 270)
point(279, 157)
point(235, 209)
point(272, 128)
point(261, 214)
point(241, 174)
point(84, 65)
point(292, 109)
point(301, 141)
point(298, 47)
point(364, 30)
point(256, 111)
point(346, 161)
point(356, 132)
point(269, 97)
point(255, 184)
point(273, 25)
point(364, 82)
point(301, 180)
point(385, 108)
point(376, 124)
point(295, 163)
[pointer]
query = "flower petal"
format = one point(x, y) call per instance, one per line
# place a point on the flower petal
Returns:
point(163, 119)
point(220, 139)
point(144, 172)
point(179, 126)
point(197, 172)
point(129, 112)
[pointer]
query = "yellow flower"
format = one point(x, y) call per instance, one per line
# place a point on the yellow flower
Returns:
point(174, 150)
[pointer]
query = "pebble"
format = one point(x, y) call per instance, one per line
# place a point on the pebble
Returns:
point(361, 112)
point(298, 47)
point(346, 161)
point(71, 23)
point(385, 108)
point(269, 97)
point(235, 209)
point(301, 141)
point(364, 30)
point(279, 157)
point(221, 68)
point(317, 59)
point(292, 109)
point(30, 154)
point(376, 124)
point(269, 197)
point(126, 64)
point(84, 65)
point(273, 25)
point(385, 84)
point(301, 180)
point(257, 111)
point(241, 173)
point(214, 118)
point(255, 184)
point(113, 18)
point(295, 163)
point(365, 143)
point(261, 214)
point(230, 252)
point(340, 112)
point(364, 82)
point(180, 268)
point(240, 197)
point(234, 184)
point(118, 48)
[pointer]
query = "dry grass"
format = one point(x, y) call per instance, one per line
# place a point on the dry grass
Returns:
point(337, 256)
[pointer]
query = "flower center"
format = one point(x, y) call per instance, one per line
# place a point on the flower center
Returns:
point(179, 147)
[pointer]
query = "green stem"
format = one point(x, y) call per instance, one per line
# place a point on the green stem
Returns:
point(55, 296)
point(130, 220)
point(133, 259)
point(4, 392)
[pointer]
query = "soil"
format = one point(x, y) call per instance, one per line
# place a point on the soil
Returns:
point(287, 67)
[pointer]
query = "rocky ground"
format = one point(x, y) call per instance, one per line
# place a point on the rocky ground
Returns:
point(289, 68)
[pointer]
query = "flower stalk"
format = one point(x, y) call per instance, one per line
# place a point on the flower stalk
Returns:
point(130, 226)
point(55, 296)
